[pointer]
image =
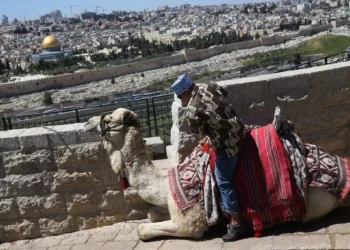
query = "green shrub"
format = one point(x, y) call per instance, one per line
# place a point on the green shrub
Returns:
point(47, 99)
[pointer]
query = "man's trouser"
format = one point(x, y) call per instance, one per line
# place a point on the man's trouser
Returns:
point(224, 172)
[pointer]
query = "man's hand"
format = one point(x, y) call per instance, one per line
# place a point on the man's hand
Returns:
point(204, 141)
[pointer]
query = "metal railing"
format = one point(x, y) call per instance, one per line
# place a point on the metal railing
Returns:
point(326, 60)
point(154, 114)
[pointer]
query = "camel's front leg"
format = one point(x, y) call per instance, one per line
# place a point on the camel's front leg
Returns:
point(157, 214)
point(166, 228)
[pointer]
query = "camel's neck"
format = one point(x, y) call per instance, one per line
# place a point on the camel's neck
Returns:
point(142, 175)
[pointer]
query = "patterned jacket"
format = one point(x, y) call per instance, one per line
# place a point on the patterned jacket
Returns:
point(210, 115)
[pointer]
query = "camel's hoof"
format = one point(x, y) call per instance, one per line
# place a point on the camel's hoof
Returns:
point(141, 232)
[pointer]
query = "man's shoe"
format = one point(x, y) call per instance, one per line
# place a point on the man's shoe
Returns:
point(235, 232)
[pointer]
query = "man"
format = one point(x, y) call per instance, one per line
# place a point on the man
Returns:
point(210, 115)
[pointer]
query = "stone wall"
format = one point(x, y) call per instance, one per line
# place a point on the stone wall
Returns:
point(68, 80)
point(339, 23)
point(45, 190)
point(190, 55)
point(317, 100)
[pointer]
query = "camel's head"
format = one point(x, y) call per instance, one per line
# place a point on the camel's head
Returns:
point(114, 127)
point(121, 136)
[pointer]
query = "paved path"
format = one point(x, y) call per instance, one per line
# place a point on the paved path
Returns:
point(333, 232)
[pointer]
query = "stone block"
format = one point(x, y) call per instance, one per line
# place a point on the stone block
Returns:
point(9, 140)
point(38, 206)
point(341, 241)
point(56, 225)
point(110, 199)
point(152, 245)
point(264, 243)
point(133, 235)
point(72, 162)
point(97, 220)
point(329, 77)
point(331, 97)
point(34, 139)
point(288, 81)
point(50, 241)
point(8, 209)
point(214, 244)
point(331, 140)
point(17, 162)
point(86, 137)
point(11, 230)
point(137, 212)
point(341, 228)
point(308, 119)
point(155, 145)
point(120, 245)
point(64, 181)
point(63, 134)
point(65, 247)
point(339, 115)
point(74, 240)
point(302, 242)
point(27, 185)
point(103, 236)
point(80, 203)
point(91, 246)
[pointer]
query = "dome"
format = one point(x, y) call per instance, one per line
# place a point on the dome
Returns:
point(50, 42)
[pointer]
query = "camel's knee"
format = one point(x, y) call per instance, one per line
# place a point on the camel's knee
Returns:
point(156, 214)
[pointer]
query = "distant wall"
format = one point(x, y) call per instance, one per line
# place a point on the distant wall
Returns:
point(190, 55)
point(68, 80)
point(45, 190)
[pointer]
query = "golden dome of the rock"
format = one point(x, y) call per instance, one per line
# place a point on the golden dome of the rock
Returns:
point(50, 42)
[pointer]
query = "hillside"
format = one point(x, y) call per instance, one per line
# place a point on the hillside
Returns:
point(316, 47)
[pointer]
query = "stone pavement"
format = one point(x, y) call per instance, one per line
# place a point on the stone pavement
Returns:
point(333, 232)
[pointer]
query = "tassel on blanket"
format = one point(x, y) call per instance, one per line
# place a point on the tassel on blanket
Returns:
point(125, 183)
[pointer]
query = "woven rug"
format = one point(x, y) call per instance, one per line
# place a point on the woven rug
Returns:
point(263, 181)
point(328, 171)
point(193, 182)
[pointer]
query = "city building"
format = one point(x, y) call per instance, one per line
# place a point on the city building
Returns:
point(5, 20)
point(51, 50)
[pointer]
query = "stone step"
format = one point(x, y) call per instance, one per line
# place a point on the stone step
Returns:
point(164, 164)
point(156, 146)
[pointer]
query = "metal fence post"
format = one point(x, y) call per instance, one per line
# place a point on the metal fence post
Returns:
point(148, 119)
point(4, 125)
point(155, 117)
point(9, 122)
point(77, 115)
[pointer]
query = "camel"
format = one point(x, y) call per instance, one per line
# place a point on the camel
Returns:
point(122, 138)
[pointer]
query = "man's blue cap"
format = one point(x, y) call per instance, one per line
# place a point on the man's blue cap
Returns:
point(181, 84)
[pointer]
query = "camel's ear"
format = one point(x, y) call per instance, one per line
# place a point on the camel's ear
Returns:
point(129, 117)
point(92, 123)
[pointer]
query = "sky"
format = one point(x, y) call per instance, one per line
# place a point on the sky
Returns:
point(32, 9)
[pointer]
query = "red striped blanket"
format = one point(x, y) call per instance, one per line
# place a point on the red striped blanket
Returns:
point(263, 181)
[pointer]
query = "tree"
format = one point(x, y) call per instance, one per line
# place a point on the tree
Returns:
point(297, 59)
point(47, 99)
point(265, 33)
point(255, 9)
point(7, 64)
point(113, 81)
point(257, 36)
